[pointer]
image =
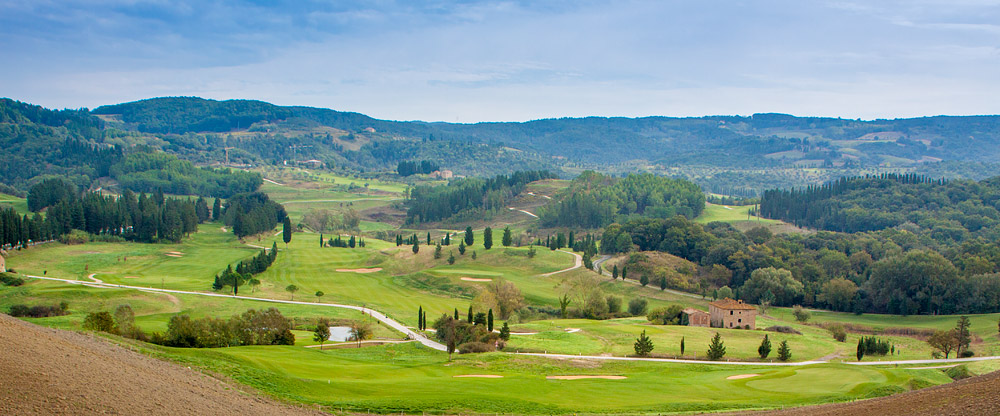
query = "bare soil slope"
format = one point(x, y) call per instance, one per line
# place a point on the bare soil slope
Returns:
point(973, 397)
point(55, 372)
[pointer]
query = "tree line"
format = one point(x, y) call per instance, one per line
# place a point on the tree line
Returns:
point(407, 168)
point(943, 211)
point(471, 196)
point(888, 271)
point(594, 200)
point(252, 213)
point(141, 218)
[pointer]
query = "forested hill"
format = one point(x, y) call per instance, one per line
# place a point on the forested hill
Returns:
point(944, 211)
point(36, 143)
point(758, 140)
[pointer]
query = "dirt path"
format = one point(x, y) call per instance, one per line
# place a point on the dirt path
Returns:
point(55, 372)
point(270, 181)
point(577, 263)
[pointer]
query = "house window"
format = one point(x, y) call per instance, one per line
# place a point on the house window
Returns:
point(730, 312)
point(739, 320)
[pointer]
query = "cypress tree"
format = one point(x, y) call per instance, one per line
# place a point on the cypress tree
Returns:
point(420, 318)
point(507, 238)
point(489, 321)
point(469, 237)
point(487, 238)
point(416, 246)
point(682, 346)
point(286, 231)
point(456, 314)
point(470, 314)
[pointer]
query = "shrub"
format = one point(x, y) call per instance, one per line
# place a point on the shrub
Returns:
point(100, 321)
point(474, 347)
point(637, 306)
point(783, 329)
point(665, 316)
point(801, 314)
point(966, 354)
point(838, 332)
point(39, 311)
point(74, 237)
point(958, 373)
point(10, 280)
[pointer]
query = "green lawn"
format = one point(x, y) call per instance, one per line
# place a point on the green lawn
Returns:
point(19, 204)
point(410, 379)
point(726, 213)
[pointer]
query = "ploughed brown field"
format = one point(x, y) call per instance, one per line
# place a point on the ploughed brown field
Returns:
point(47, 371)
point(970, 397)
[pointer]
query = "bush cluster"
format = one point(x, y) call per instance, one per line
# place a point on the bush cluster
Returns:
point(39, 311)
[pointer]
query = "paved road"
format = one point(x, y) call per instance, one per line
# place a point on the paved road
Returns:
point(371, 312)
point(97, 283)
point(578, 262)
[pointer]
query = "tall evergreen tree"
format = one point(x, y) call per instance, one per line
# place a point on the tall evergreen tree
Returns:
point(469, 237)
point(717, 349)
point(487, 238)
point(765, 347)
point(507, 238)
point(286, 231)
point(217, 209)
point(489, 321)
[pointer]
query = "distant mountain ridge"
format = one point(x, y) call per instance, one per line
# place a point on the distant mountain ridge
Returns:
point(732, 155)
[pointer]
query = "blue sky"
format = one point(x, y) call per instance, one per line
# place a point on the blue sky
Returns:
point(469, 61)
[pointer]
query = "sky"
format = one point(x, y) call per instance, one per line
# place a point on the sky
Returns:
point(472, 61)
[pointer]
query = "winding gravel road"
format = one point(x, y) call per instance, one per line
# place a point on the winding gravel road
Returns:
point(392, 323)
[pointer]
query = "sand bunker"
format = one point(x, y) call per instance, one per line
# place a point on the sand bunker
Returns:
point(737, 377)
point(173, 255)
point(130, 277)
point(478, 376)
point(175, 252)
point(475, 279)
point(377, 269)
point(583, 377)
point(572, 330)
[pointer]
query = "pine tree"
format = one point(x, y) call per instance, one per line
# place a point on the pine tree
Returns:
point(643, 345)
point(473, 254)
point(765, 348)
point(437, 252)
point(505, 332)
point(461, 248)
point(614, 272)
point(784, 353)
point(507, 238)
point(962, 336)
point(624, 272)
point(451, 257)
point(447, 239)
point(469, 238)
point(416, 246)
point(717, 349)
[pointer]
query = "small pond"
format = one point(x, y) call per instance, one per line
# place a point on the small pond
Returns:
point(340, 333)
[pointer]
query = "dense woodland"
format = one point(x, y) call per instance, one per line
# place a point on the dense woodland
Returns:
point(252, 213)
point(141, 218)
point(888, 271)
point(471, 196)
point(407, 168)
point(593, 200)
point(943, 212)
point(147, 172)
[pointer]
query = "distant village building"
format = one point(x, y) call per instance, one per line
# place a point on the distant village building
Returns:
point(3, 262)
point(370, 129)
point(695, 317)
point(728, 313)
point(442, 174)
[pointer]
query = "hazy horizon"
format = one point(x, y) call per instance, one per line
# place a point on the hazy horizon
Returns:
point(469, 61)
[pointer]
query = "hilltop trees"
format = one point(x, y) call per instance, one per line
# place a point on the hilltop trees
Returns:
point(594, 200)
point(253, 213)
point(469, 196)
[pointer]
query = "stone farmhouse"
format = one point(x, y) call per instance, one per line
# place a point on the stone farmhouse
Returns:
point(695, 317)
point(728, 313)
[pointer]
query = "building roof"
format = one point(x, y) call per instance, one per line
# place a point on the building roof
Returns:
point(692, 311)
point(730, 304)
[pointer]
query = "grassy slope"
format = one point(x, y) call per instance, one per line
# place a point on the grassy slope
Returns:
point(19, 204)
